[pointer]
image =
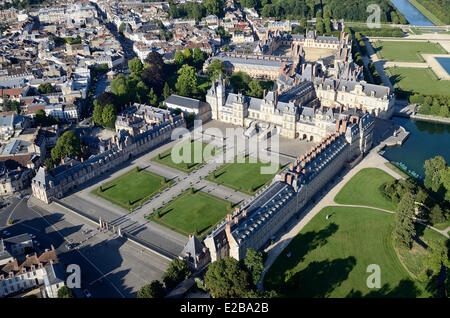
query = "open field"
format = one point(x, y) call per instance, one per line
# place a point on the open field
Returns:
point(365, 189)
point(245, 177)
point(192, 213)
point(403, 51)
point(132, 188)
point(329, 258)
point(418, 80)
point(193, 160)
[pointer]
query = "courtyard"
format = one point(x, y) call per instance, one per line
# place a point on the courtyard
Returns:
point(244, 175)
point(193, 211)
point(405, 51)
point(195, 158)
point(132, 189)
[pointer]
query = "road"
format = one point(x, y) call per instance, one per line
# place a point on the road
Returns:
point(110, 267)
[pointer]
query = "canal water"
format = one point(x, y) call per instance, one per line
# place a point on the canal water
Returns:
point(445, 63)
point(414, 16)
point(426, 140)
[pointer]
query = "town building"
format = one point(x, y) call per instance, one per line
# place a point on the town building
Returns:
point(142, 135)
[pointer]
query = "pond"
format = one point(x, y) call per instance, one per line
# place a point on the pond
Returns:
point(426, 140)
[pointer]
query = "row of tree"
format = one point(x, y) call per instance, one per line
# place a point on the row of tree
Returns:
point(436, 105)
point(440, 8)
point(350, 10)
point(194, 10)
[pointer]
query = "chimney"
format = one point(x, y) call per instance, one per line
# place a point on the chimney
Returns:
point(289, 179)
point(344, 127)
point(264, 94)
point(228, 232)
point(244, 213)
point(276, 97)
point(236, 220)
point(338, 124)
point(229, 217)
point(283, 177)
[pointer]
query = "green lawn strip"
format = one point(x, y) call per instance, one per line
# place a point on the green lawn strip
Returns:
point(329, 258)
point(426, 12)
point(135, 187)
point(393, 166)
point(365, 188)
point(418, 80)
point(244, 177)
point(403, 51)
point(165, 158)
point(194, 213)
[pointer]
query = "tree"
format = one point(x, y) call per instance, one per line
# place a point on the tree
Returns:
point(65, 292)
point(153, 77)
point(433, 168)
point(214, 7)
point(187, 55)
point(177, 271)
point(135, 65)
point(404, 226)
point(179, 58)
point(122, 27)
point(109, 115)
point(49, 163)
point(226, 278)
point(107, 98)
point(198, 57)
point(437, 257)
point(153, 290)
point(67, 145)
point(97, 113)
point(254, 262)
point(186, 84)
point(155, 59)
point(436, 215)
point(141, 92)
point(152, 98)
point(255, 89)
point(215, 69)
point(166, 90)
point(445, 180)
point(46, 88)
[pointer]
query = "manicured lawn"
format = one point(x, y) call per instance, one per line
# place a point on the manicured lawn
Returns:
point(132, 188)
point(329, 258)
point(194, 159)
point(192, 213)
point(418, 80)
point(245, 177)
point(405, 51)
point(365, 189)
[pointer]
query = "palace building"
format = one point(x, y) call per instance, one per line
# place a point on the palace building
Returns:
point(259, 218)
